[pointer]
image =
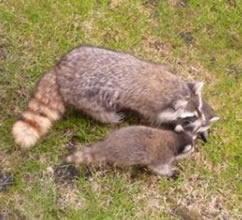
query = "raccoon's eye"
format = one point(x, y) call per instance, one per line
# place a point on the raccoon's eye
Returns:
point(189, 119)
point(186, 122)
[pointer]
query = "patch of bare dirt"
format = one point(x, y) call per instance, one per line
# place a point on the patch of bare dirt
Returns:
point(6, 181)
point(178, 3)
point(187, 214)
point(117, 3)
point(235, 72)
point(187, 37)
point(157, 46)
point(232, 3)
point(70, 196)
point(6, 214)
point(3, 55)
point(3, 49)
point(65, 173)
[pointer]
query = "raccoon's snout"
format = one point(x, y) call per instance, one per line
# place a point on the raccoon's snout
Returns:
point(202, 131)
point(204, 136)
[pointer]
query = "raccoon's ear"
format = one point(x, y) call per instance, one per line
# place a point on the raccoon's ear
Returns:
point(196, 87)
point(213, 119)
point(202, 129)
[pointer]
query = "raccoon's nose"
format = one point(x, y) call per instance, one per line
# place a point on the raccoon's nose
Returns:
point(204, 136)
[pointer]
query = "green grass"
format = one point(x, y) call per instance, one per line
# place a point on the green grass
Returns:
point(200, 39)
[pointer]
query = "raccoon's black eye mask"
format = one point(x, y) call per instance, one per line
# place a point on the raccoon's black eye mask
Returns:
point(187, 120)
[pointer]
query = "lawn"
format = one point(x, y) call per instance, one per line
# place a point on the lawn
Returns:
point(199, 39)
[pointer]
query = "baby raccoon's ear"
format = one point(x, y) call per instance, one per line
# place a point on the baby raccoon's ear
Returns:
point(187, 148)
point(202, 129)
point(213, 119)
point(196, 87)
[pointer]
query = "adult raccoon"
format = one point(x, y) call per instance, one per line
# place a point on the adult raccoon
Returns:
point(101, 83)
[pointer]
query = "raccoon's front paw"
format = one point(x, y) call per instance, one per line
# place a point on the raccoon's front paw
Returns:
point(111, 117)
point(121, 117)
point(204, 136)
point(116, 118)
point(174, 176)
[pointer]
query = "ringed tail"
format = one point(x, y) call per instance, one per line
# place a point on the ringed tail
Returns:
point(90, 155)
point(43, 110)
point(80, 157)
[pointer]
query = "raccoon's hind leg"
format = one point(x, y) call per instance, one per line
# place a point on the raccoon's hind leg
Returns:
point(162, 170)
point(104, 116)
point(108, 117)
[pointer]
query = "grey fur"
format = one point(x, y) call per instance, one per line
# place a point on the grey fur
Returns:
point(102, 82)
point(138, 145)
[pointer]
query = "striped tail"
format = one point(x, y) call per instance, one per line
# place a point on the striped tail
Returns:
point(81, 157)
point(44, 108)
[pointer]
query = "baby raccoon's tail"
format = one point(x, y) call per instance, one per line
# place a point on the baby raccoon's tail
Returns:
point(86, 156)
point(44, 108)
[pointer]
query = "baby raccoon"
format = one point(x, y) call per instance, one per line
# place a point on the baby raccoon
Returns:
point(201, 125)
point(101, 83)
point(138, 145)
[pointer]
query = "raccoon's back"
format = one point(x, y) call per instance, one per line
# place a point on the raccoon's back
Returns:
point(98, 62)
point(131, 145)
point(93, 63)
point(86, 71)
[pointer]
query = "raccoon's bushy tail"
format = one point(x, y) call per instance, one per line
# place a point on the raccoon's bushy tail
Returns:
point(87, 156)
point(44, 108)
